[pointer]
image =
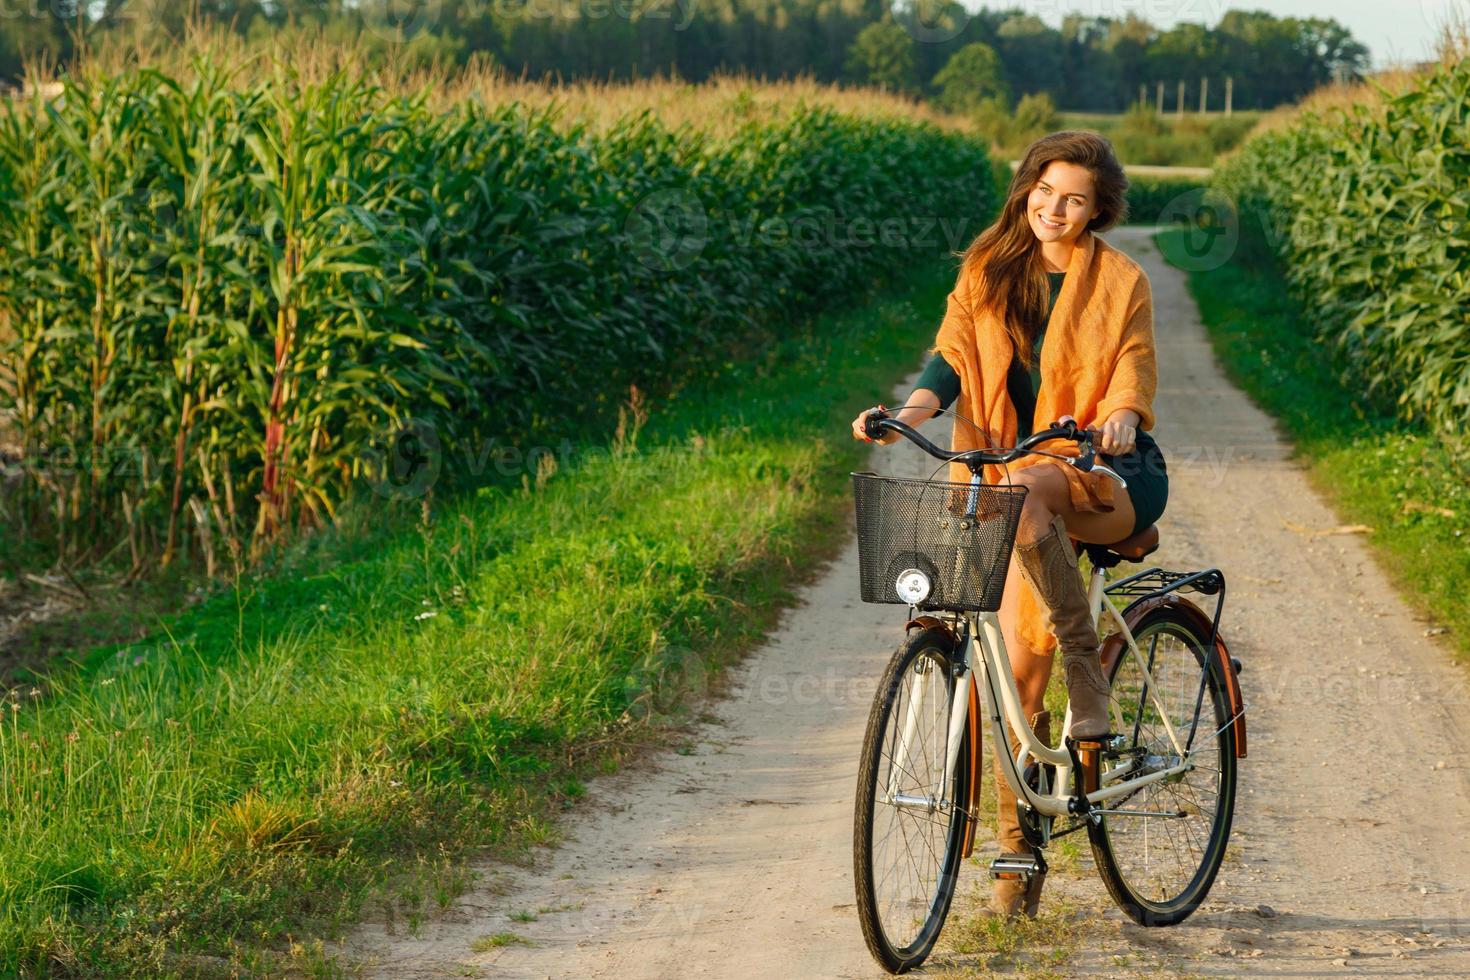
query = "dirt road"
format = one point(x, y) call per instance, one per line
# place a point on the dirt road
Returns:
point(734, 860)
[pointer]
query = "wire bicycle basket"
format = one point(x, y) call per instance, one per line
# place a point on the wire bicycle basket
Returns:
point(934, 544)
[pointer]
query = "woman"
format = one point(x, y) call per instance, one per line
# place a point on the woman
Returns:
point(1018, 360)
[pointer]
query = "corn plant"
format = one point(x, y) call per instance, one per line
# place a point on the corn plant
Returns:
point(1367, 209)
point(216, 291)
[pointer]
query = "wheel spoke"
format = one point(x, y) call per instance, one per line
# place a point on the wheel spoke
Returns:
point(1160, 859)
point(909, 850)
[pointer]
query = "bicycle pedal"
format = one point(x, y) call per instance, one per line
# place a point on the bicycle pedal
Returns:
point(1016, 867)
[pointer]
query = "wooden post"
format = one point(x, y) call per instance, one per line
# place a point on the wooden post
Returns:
point(1204, 94)
point(1142, 94)
point(1229, 91)
point(1179, 101)
point(1160, 99)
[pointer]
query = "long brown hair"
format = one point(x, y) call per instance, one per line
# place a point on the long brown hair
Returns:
point(1008, 254)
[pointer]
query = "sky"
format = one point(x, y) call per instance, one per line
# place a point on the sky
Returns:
point(1393, 30)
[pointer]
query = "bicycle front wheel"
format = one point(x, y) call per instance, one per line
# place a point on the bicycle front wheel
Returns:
point(909, 826)
point(1160, 858)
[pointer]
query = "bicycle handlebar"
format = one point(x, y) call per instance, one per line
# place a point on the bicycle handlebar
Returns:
point(879, 420)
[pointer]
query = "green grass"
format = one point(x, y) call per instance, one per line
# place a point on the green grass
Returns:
point(486, 943)
point(243, 781)
point(1373, 469)
point(977, 945)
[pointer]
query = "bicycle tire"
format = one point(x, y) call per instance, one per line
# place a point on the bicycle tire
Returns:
point(901, 953)
point(1125, 884)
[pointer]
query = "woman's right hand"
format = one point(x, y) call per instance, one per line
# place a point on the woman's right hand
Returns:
point(857, 428)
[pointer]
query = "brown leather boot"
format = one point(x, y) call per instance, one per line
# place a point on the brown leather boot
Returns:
point(1010, 897)
point(1050, 567)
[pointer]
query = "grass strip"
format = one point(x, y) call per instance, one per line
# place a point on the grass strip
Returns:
point(237, 784)
point(1372, 468)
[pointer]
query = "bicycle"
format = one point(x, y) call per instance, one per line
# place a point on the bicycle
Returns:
point(1156, 796)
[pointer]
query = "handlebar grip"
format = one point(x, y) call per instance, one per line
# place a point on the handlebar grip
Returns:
point(871, 427)
point(1069, 428)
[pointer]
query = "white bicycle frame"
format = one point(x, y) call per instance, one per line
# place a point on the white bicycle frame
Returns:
point(1002, 704)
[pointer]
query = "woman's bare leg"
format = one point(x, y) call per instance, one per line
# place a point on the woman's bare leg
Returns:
point(1031, 667)
point(1048, 496)
point(1032, 670)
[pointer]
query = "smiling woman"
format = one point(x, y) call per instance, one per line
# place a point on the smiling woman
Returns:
point(1048, 322)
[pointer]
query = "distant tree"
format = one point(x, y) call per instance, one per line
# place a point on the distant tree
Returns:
point(1035, 115)
point(1092, 76)
point(1333, 49)
point(972, 74)
point(1186, 53)
point(883, 55)
point(1281, 59)
point(1127, 45)
point(1032, 53)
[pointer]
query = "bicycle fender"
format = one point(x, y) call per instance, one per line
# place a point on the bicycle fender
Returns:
point(975, 728)
point(929, 622)
point(1114, 645)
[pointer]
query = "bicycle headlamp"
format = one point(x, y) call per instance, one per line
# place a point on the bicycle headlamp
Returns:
point(913, 586)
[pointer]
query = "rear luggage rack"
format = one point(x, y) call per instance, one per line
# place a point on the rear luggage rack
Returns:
point(1153, 582)
point(1156, 581)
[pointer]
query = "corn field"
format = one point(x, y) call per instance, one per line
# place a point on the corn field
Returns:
point(219, 291)
point(1368, 210)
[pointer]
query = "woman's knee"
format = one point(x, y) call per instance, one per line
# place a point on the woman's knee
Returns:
point(1045, 498)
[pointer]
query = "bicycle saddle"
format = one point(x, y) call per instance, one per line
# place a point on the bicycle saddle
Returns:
point(1136, 547)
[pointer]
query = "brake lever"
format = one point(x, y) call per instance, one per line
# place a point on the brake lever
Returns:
point(1087, 461)
point(1106, 470)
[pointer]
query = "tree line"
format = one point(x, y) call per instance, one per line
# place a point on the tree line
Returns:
point(928, 48)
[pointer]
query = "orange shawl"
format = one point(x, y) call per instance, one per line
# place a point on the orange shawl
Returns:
point(1097, 357)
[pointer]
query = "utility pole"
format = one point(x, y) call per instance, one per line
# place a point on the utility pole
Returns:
point(1204, 93)
point(1160, 99)
point(1179, 101)
point(1229, 91)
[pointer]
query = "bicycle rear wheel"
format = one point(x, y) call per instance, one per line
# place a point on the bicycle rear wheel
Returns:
point(909, 828)
point(1159, 868)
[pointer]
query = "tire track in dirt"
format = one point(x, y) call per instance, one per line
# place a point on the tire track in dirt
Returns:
point(734, 860)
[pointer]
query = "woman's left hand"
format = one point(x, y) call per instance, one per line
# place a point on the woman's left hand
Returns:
point(1118, 433)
